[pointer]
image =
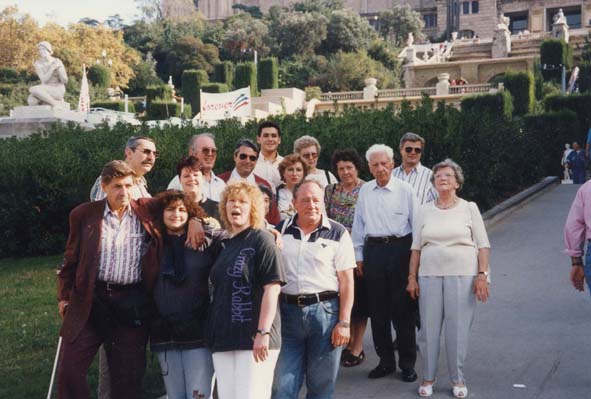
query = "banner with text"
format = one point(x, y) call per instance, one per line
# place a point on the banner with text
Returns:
point(216, 106)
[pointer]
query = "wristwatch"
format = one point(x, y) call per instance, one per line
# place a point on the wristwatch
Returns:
point(344, 323)
point(264, 332)
point(485, 273)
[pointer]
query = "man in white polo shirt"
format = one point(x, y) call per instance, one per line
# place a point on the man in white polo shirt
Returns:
point(316, 302)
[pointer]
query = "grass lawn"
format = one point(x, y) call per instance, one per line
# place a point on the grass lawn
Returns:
point(29, 325)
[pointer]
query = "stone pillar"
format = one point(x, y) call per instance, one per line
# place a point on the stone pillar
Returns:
point(442, 87)
point(560, 31)
point(370, 91)
point(410, 55)
point(501, 43)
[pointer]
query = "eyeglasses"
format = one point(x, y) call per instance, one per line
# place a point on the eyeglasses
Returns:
point(417, 150)
point(252, 158)
point(310, 155)
point(147, 151)
point(208, 151)
point(444, 175)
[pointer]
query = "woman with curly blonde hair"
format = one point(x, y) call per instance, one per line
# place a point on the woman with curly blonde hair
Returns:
point(244, 327)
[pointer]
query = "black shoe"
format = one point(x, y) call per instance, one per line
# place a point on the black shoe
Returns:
point(409, 375)
point(381, 371)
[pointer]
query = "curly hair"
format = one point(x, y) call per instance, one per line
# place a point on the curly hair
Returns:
point(168, 197)
point(252, 193)
point(290, 160)
point(348, 155)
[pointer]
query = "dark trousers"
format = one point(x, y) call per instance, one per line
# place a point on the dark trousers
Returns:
point(126, 354)
point(385, 269)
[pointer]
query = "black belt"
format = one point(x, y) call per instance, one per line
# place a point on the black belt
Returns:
point(309, 299)
point(382, 240)
point(115, 287)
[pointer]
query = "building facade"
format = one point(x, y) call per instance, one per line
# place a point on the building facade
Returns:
point(468, 17)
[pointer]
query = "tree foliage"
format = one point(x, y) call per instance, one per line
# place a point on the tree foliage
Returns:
point(244, 33)
point(297, 33)
point(347, 31)
point(398, 22)
point(189, 53)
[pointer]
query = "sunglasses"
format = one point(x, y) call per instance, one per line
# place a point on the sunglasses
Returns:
point(252, 158)
point(310, 155)
point(147, 151)
point(417, 150)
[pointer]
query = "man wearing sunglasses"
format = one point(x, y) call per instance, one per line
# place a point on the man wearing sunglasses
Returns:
point(140, 155)
point(412, 171)
point(202, 146)
point(246, 156)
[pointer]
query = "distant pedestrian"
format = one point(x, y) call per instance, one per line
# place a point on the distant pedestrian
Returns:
point(576, 162)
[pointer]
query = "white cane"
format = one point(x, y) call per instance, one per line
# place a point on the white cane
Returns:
point(57, 356)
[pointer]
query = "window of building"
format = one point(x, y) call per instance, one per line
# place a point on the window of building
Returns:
point(430, 20)
point(466, 7)
point(572, 14)
point(518, 22)
point(467, 34)
point(475, 7)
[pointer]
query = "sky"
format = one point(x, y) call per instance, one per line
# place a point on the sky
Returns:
point(65, 12)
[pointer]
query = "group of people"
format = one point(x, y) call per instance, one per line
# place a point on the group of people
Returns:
point(265, 276)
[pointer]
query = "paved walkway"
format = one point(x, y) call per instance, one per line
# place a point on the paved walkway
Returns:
point(535, 330)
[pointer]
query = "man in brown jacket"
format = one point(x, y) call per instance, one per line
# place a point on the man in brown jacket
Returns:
point(110, 264)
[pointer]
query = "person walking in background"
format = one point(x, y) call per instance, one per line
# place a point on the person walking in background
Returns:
point(309, 149)
point(293, 170)
point(340, 200)
point(317, 299)
point(577, 233)
point(244, 330)
point(382, 225)
point(576, 162)
point(450, 256)
point(181, 297)
point(267, 167)
point(412, 171)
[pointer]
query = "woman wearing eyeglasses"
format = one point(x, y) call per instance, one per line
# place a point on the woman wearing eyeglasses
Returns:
point(292, 170)
point(309, 149)
point(449, 254)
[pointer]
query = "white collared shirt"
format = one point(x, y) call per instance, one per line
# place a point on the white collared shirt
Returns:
point(420, 179)
point(311, 262)
point(383, 212)
point(121, 247)
point(269, 170)
point(234, 176)
point(211, 189)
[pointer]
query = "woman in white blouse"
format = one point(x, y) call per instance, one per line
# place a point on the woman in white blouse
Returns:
point(450, 253)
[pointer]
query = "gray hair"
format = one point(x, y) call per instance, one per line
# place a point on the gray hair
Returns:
point(448, 163)
point(196, 137)
point(413, 137)
point(379, 149)
point(133, 141)
point(304, 142)
point(299, 185)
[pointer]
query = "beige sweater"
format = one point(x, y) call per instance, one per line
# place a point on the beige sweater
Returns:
point(449, 239)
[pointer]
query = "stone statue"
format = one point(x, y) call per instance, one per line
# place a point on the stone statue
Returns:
point(53, 78)
point(559, 17)
point(410, 40)
point(503, 22)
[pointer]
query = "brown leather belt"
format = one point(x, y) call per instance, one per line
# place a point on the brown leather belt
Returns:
point(308, 299)
point(382, 240)
point(114, 287)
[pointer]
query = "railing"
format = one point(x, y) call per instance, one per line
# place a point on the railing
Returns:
point(343, 95)
point(470, 89)
point(414, 92)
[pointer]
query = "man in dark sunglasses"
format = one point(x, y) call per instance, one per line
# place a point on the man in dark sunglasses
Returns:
point(140, 155)
point(412, 171)
point(246, 155)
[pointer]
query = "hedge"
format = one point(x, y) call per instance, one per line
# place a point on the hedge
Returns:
point(555, 52)
point(268, 73)
point(246, 75)
point(580, 104)
point(163, 110)
point(99, 75)
point(521, 87)
point(118, 105)
point(45, 176)
point(224, 73)
point(500, 103)
point(8, 75)
point(585, 77)
point(157, 92)
point(215, 88)
point(192, 81)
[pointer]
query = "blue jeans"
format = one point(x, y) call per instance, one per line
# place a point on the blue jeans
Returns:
point(186, 372)
point(307, 351)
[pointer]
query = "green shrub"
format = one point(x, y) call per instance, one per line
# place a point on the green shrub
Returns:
point(160, 109)
point(224, 73)
point(215, 88)
point(312, 92)
point(553, 54)
point(157, 92)
point(8, 75)
point(268, 73)
point(499, 104)
point(538, 79)
point(118, 105)
point(580, 104)
point(246, 75)
point(585, 77)
point(521, 87)
point(99, 75)
point(192, 81)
